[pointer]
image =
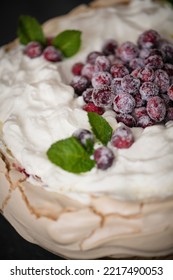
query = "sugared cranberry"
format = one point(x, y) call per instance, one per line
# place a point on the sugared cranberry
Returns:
point(148, 39)
point(146, 74)
point(52, 54)
point(154, 61)
point(84, 136)
point(79, 83)
point(102, 63)
point(92, 57)
point(169, 116)
point(136, 72)
point(122, 138)
point(167, 49)
point(156, 108)
point(138, 99)
point(168, 67)
point(162, 80)
point(139, 112)
point(127, 119)
point(102, 97)
point(145, 121)
point(100, 79)
point(130, 84)
point(104, 157)
point(136, 62)
point(170, 92)
point(127, 51)
point(33, 49)
point(116, 86)
point(91, 107)
point(123, 103)
point(167, 100)
point(109, 47)
point(118, 71)
point(88, 71)
point(144, 53)
point(77, 68)
point(87, 95)
point(148, 89)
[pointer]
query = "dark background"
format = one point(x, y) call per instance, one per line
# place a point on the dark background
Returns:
point(12, 246)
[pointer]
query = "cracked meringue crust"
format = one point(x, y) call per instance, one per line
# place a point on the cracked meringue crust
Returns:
point(101, 226)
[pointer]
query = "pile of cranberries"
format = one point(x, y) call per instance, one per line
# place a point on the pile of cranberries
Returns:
point(133, 80)
point(49, 52)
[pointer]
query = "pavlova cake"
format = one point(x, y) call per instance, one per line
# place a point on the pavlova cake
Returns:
point(86, 139)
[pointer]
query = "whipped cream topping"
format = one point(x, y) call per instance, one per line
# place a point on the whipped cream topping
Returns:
point(37, 108)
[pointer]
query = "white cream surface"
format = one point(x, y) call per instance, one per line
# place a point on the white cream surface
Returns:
point(37, 107)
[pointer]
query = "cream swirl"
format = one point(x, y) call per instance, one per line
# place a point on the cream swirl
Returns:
point(37, 108)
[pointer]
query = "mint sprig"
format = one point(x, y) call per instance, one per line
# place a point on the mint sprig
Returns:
point(70, 155)
point(100, 127)
point(29, 30)
point(68, 42)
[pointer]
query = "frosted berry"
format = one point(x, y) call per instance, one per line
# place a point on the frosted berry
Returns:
point(127, 119)
point(130, 84)
point(88, 71)
point(170, 92)
point(122, 138)
point(136, 62)
point(146, 74)
point(168, 68)
point(148, 39)
point(145, 121)
point(100, 79)
point(79, 83)
point(116, 86)
point(127, 51)
point(162, 80)
point(138, 99)
point(167, 49)
point(102, 96)
point(77, 68)
point(102, 63)
point(92, 57)
point(139, 112)
point(91, 107)
point(154, 61)
point(148, 89)
point(169, 116)
point(156, 108)
point(123, 103)
point(52, 54)
point(118, 71)
point(87, 95)
point(84, 136)
point(33, 49)
point(109, 47)
point(104, 157)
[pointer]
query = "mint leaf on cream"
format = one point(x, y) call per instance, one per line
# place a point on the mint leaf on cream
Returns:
point(29, 30)
point(68, 42)
point(100, 127)
point(70, 155)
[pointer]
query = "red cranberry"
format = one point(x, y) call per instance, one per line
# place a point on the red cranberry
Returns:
point(122, 138)
point(110, 47)
point(79, 83)
point(118, 71)
point(148, 39)
point(145, 121)
point(100, 79)
point(127, 51)
point(130, 84)
point(52, 54)
point(104, 157)
point(123, 103)
point(88, 71)
point(136, 62)
point(162, 80)
point(139, 112)
point(116, 86)
point(127, 119)
point(139, 101)
point(102, 97)
point(33, 49)
point(91, 107)
point(84, 136)
point(154, 61)
point(77, 68)
point(102, 63)
point(136, 72)
point(148, 89)
point(146, 74)
point(170, 92)
point(87, 95)
point(156, 108)
point(92, 57)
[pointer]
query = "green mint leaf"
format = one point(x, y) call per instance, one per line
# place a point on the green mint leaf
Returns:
point(70, 155)
point(68, 41)
point(100, 127)
point(29, 30)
